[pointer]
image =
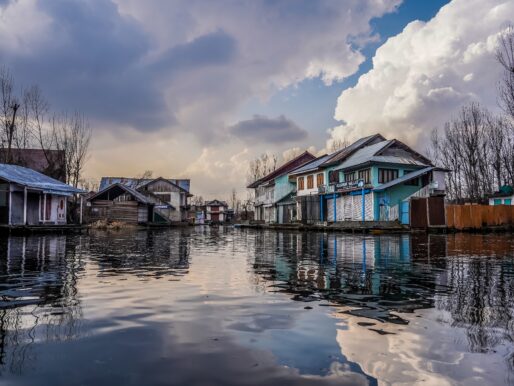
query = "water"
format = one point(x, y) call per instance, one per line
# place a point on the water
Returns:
point(222, 306)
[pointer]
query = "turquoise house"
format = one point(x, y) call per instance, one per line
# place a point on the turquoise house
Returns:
point(377, 182)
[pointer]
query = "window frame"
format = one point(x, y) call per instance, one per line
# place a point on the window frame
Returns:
point(310, 182)
point(386, 175)
point(301, 183)
point(320, 179)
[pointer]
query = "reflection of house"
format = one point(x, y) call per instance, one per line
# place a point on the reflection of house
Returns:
point(274, 193)
point(141, 201)
point(216, 211)
point(31, 198)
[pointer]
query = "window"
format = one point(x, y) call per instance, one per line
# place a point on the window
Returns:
point(333, 176)
point(507, 201)
point(386, 175)
point(364, 175)
point(320, 179)
point(497, 201)
point(349, 177)
point(301, 183)
point(310, 182)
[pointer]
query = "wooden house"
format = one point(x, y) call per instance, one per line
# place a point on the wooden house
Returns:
point(28, 197)
point(135, 201)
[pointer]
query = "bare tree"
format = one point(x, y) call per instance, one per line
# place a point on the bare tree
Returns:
point(477, 147)
point(505, 56)
point(198, 201)
point(261, 166)
point(338, 144)
point(72, 135)
point(10, 105)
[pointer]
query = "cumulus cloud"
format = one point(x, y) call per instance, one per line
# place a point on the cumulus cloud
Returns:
point(421, 76)
point(268, 130)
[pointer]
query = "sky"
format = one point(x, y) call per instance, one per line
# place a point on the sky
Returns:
point(198, 88)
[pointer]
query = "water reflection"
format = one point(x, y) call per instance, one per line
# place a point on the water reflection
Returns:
point(215, 305)
point(382, 280)
point(38, 288)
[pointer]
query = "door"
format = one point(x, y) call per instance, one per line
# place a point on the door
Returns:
point(215, 217)
point(418, 213)
point(404, 212)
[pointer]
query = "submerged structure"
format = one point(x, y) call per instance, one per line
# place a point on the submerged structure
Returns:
point(28, 197)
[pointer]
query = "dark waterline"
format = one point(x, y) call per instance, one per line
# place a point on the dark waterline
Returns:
point(222, 306)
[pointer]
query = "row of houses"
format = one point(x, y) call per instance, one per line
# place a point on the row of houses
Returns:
point(31, 198)
point(373, 179)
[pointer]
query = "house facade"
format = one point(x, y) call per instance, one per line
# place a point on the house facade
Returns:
point(28, 197)
point(216, 211)
point(141, 201)
point(275, 193)
point(168, 198)
point(373, 179)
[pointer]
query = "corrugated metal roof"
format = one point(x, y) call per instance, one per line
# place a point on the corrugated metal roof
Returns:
point(342, 154)
point(138, 196)
point(367, 154)
point(313, 165)
point(363, 155)
point(35, 180)
point(403, 178)
point(136, 182)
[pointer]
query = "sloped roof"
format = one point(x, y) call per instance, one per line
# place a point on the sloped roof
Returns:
point(342, 154)
point(138, 196)
point(310, 166)
point(404, 178)
point(372, 153)
point(148, 182)
point(285, 168)
point(136, 182)
point(216, 202)
point(35, 180)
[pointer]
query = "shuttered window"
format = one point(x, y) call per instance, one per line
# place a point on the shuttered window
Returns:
point(386, 175)
point(320, 179)
point(301, 183)
point(310, 182)
point(365, 175)
point(349, 177)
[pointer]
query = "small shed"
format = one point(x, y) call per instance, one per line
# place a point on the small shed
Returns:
point(28, 197)
point(118, 202)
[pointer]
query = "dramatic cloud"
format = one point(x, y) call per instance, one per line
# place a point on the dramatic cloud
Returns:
point(166, 78)
point(422, 76)
point(268, 130)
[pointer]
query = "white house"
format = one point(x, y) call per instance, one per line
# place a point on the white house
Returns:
point(216, 211)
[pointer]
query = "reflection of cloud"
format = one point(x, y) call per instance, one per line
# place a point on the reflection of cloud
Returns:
point(426, 352)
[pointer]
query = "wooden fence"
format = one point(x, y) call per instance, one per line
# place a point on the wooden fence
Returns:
point(479, 216)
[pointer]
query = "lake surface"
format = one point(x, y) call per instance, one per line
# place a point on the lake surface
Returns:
point(225, 306)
